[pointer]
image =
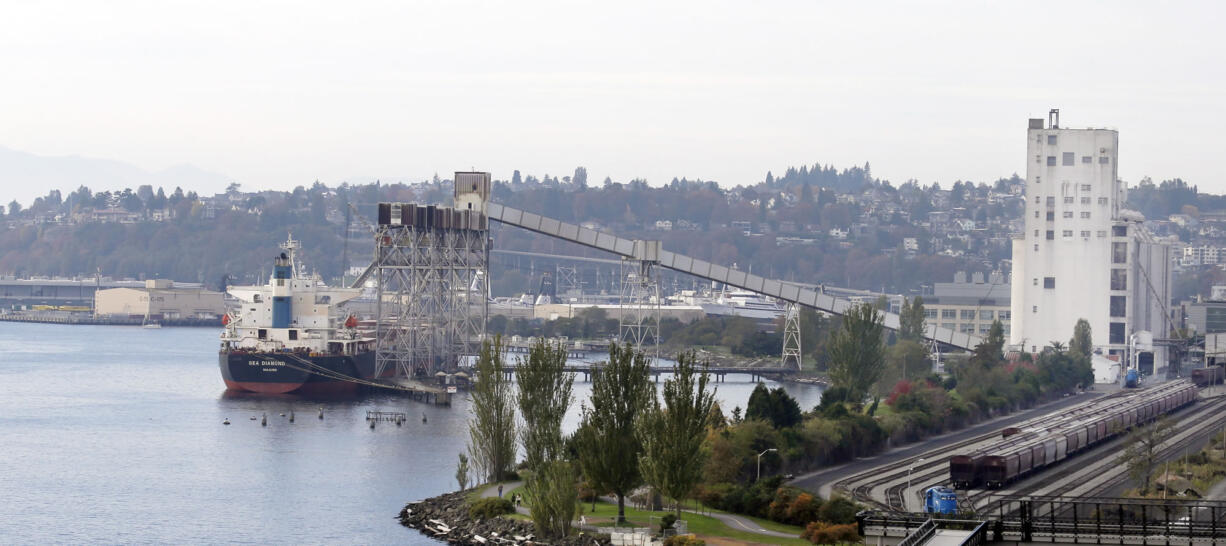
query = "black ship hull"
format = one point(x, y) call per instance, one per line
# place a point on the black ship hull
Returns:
point(280, 373)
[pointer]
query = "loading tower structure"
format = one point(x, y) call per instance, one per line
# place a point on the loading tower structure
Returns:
point(430, 265)
point(639, 321)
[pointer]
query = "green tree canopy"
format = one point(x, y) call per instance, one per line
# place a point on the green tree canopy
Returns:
point(608, 448)
point(1082, 343)
point(491, 431)
point(911, 319)
point(857, 353)
point(672, 434)
point(775, 406)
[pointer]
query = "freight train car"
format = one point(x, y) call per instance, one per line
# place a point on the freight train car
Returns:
point(1211, 375)
point(1016, 457)
point(966, 470)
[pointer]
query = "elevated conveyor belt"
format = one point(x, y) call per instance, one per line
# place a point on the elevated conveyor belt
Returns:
point(643, 250)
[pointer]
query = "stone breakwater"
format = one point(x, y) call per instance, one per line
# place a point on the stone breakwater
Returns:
point(445, 518)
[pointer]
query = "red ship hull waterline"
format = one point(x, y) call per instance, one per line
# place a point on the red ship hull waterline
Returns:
point(285, 373)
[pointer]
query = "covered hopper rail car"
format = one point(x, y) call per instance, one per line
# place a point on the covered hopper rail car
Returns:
point(1032, 450)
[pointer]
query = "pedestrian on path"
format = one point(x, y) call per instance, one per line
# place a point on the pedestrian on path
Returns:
point(500, 491)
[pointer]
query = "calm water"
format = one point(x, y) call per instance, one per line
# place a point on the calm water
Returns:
point(114, 434)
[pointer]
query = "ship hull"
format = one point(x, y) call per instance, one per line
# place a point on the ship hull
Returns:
point(281, 373)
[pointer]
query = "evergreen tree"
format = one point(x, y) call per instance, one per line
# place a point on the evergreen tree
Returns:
point(672, 434)
point(608, 448)
point(516, 179)
point(775, 406)
point(990, 351)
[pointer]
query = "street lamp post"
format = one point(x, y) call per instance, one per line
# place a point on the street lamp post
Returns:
point(760, 462)
point(909, 469)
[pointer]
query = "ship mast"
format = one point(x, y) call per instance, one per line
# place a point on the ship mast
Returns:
point(290, 246)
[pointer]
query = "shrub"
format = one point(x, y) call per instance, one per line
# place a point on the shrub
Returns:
point(490, 507)
point(667, 522)
point(713, 495)
point(684, 540)
point(824, 533)
point(778, 509)
point(838, 510)
point(585, 492)
point(804, 509)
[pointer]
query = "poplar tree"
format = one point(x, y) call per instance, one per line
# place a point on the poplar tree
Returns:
point(672, 433)
point(911, 319)
point(1082, 343)
point(857, 354)
point(608, 448)
point(544, 395)
point(461, 472)
point(491, 431)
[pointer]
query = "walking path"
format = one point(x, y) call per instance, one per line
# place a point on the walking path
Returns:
point(739, 523)
point(733, 521)
point(507, 487)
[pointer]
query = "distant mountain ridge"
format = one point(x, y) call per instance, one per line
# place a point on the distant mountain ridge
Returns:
point(25, 176)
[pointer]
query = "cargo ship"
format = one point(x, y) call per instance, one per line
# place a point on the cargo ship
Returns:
point(287, 336)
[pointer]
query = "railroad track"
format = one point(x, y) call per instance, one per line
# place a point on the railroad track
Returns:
point(886, 486)
point(859, 486)
point(1104, 473)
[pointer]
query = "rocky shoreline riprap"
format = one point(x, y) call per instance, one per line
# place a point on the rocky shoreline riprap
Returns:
point(446, 518)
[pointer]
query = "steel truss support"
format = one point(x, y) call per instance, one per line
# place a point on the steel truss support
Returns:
point(432, 306)
point(639, 320)
point(791, 338)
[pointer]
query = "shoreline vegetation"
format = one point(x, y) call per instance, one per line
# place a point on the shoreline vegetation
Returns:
point(682, 446)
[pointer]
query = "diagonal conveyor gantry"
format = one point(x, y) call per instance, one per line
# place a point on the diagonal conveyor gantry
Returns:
point(703, 270)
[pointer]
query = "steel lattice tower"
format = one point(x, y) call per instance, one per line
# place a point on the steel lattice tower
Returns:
point(791, 338)
point(430, 265)
point(639, 321)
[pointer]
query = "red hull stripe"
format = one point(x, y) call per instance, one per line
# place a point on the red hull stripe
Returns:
point(321, 387)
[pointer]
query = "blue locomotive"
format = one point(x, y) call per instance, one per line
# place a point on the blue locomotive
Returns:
point(940, 500)
point(1132, 379)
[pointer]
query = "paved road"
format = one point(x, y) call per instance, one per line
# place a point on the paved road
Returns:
point(745, 524)
point(822, 481)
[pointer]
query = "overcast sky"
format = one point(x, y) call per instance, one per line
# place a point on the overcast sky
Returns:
point(280, 94)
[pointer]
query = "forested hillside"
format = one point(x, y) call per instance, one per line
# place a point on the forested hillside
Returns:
point(812, 224)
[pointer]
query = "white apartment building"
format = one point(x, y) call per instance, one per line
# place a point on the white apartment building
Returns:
point(1202, 255)
point(1081, 254)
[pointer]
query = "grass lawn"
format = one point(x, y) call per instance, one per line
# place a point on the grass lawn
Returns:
point(698, 524)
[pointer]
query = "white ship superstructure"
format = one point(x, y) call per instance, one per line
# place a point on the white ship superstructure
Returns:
point(293, 311)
